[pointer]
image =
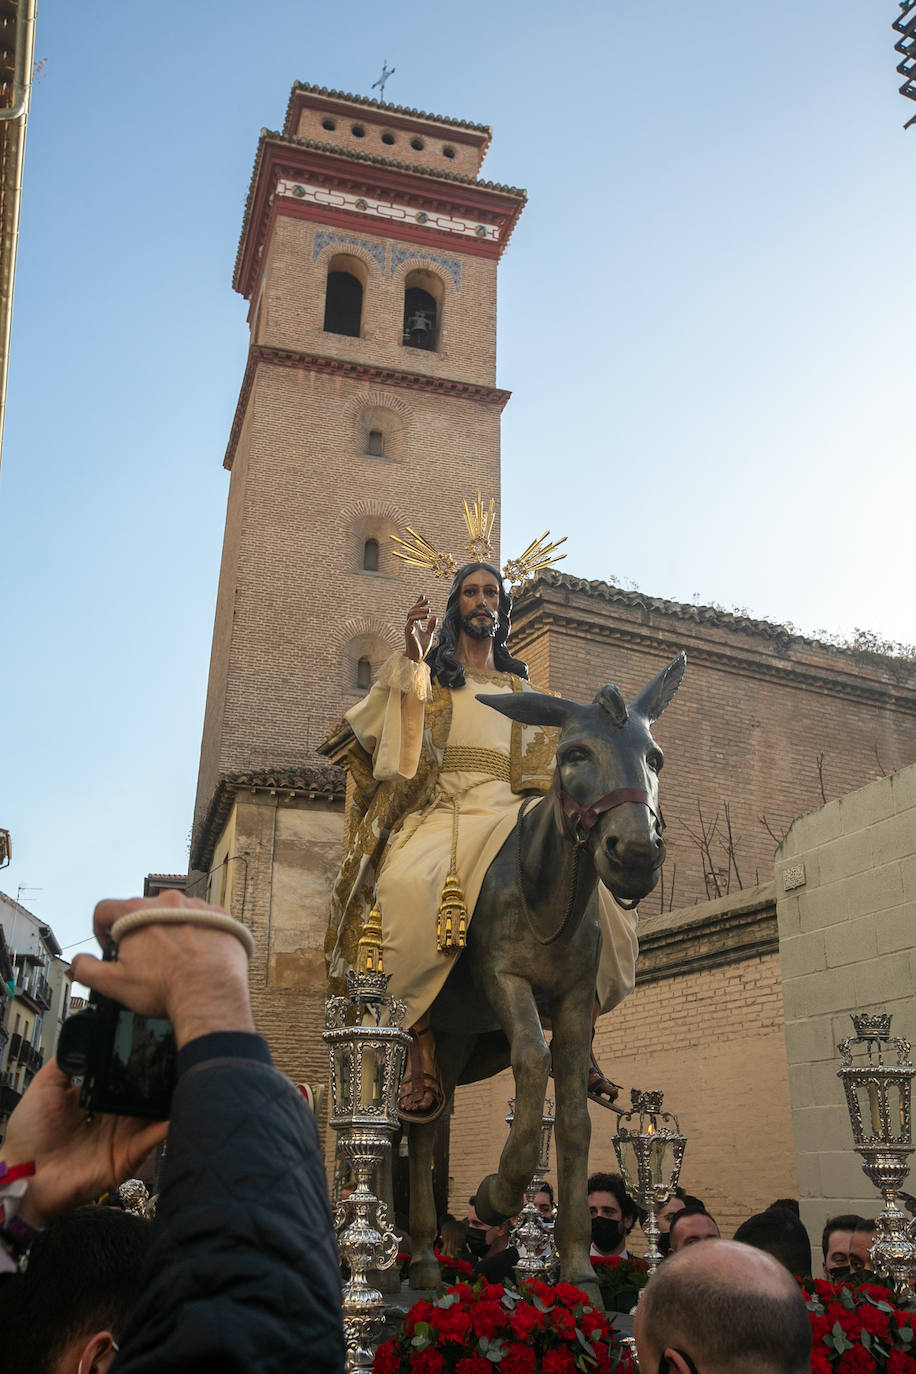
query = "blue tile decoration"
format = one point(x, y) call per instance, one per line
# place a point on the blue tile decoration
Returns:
point(323, 240)
point(451, 265)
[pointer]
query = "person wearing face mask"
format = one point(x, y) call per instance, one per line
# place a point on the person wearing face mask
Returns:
point(494, 1258)
point(835, 1243)
point(613, 1214)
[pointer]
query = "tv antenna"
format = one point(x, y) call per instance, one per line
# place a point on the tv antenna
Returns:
point(380, 84)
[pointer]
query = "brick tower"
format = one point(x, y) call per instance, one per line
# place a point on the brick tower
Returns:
point(368, 254)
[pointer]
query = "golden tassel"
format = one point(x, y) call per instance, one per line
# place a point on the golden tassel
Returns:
point(369, 956)
point(452, 921)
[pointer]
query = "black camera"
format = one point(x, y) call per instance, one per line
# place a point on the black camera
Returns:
point(124, 1062)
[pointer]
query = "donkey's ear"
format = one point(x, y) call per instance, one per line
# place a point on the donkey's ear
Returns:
point(653, 699)
point(531, 708)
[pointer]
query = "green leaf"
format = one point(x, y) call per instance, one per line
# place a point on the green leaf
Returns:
point(448, 1300)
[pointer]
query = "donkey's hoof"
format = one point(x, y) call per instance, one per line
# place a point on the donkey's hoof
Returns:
point(424, 1273)
point(494, 1202)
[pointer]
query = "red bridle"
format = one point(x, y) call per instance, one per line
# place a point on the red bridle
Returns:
point(579, 821)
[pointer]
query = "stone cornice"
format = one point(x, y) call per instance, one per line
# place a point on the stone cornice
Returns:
point(281, 155)
point(360, 372)
point(693, 939)
point(560, 602)
point(322, 784)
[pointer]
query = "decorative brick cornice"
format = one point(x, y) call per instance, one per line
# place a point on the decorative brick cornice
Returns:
point(560, 602)
point(361, 372)
point(322, 783)
point(693, 939)
point(431, 189)
point(301, 88)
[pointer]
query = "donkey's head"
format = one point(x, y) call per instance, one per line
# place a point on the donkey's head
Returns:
point(606, 781)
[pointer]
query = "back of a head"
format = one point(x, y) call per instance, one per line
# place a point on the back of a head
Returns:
point(780, 1234)
point(83, 1276)
point(730, 1308)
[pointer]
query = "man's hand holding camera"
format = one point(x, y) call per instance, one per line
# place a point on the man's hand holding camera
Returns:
point(195, 977)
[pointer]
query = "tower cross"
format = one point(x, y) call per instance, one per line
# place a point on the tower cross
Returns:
point(380, 84)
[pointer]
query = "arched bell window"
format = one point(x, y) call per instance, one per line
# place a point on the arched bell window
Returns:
point(343, 304)
point(364, 675)
point(370, 555)
point(421, 318)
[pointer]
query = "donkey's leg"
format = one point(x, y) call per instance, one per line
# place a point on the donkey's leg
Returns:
point(424, 1267)
point(502, 1194)
point(572, 1030)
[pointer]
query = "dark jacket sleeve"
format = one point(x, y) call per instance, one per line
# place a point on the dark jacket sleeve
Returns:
point(243, 1272)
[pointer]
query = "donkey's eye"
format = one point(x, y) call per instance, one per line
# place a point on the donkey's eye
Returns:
point(576, 755)
point(654, 760)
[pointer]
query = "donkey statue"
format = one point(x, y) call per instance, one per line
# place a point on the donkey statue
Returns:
point(533, 949)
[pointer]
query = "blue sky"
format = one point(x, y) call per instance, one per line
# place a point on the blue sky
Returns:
point(705, 314)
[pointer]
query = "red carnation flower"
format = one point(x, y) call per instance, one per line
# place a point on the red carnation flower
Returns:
point(900, 1363)
point(524, 1320)
point(427, 1361)
point(558, 1362)
point(850, 1322)
point(420, 1312)
point(856, 1361)
point(473, 1364)
point(488, 1317)
point(569, 1295)
point(518, 1359)
point(452, 1323)
point(387, 1358)
point(878, 1323)
point(820, 1361)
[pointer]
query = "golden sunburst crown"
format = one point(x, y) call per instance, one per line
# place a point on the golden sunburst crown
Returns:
point(479, 520)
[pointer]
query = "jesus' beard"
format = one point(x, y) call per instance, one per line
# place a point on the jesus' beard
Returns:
point(476, 627)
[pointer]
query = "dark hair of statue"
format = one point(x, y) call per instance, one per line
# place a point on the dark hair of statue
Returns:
point(443, 665)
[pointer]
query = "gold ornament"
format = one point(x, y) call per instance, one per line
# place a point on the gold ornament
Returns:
point(369, 949)
point(479, 522)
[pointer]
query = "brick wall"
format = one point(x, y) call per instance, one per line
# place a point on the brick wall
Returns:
point(711, 1037)
point(757, 710)
point(846, 887)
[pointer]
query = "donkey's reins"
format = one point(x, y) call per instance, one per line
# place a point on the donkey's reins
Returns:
point(574, 885)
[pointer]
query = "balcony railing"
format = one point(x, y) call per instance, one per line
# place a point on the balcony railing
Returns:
point(15, 1043)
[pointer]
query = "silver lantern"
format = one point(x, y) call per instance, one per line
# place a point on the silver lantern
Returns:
point(878, 1100)
point(532, 1234)
point(650, 1149)
point(367, 1048)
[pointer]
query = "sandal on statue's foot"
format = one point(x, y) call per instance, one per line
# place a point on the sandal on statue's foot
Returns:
point(421, 1096)
point(601, 1089)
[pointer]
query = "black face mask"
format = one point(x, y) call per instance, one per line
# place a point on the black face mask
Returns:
point(606, 1234)
point(842, 1274)
point(477, 1241)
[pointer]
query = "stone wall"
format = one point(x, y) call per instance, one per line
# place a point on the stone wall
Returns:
point(705, 1024)
point(846, 903)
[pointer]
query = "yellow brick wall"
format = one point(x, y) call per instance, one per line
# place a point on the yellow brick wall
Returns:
point(713, 1042)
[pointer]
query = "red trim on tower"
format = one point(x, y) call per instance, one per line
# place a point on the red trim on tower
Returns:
point(350, 371)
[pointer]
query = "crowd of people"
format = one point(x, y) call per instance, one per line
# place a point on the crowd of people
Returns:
point(239, 1270)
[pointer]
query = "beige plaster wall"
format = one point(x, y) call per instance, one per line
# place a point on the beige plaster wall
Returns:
point(846, 908)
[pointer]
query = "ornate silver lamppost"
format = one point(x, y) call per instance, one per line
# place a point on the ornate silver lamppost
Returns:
point(878, 1099)
point(533, 1234)
point(367, 1062)
point(649, 1148)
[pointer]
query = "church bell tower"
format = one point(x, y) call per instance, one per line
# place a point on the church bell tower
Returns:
point(368, 255)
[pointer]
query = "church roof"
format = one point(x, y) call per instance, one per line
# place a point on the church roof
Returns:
point(323, 783)
point(716, 617)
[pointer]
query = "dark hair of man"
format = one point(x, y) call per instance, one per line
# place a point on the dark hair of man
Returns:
point(613, 1183)
point(443, 664)
point(780, 1234)
point(846, 1221)
point(83, 1276)
point(865, 1226)
point(678, 1217)
point(724, 1327)
point(788, 1204)
point(546, 1188)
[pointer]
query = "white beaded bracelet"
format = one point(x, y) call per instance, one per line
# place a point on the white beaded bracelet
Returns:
point(174, 916)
